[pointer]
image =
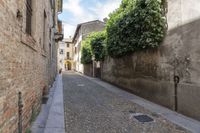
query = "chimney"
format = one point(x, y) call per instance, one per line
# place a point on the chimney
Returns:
point(105, 20)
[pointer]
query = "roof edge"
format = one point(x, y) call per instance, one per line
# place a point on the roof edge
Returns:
point(79, 25)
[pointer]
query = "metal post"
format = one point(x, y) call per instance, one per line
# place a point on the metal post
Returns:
point(20, 106)
point(93, 58)
point(93, 68)
point(176, 81)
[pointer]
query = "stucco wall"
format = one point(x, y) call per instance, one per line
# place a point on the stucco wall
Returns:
point(150, 74)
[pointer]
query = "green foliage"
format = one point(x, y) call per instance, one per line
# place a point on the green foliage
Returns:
point(134, 26)
point(93, 45)
point(28, 130)
point(98, 45)
point(86, 52)
point(34, 115)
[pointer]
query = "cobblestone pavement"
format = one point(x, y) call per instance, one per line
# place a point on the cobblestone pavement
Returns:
point(91, 108)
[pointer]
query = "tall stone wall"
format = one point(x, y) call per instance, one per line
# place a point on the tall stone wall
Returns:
point(150, 74)
point(88, 69)
point(23, 61)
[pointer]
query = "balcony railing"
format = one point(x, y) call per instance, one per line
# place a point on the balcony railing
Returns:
point(68, 58)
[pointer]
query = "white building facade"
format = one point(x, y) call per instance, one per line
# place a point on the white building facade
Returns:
point(61, 55)
point(82, 31)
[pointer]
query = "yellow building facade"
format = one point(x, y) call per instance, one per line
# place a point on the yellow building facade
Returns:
point(65, 57)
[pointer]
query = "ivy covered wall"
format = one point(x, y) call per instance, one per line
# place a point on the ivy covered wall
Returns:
point(136, 25)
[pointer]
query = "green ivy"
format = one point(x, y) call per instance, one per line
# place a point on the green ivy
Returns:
point(98, 45)
point(94, 45)
point(134, 26)
point(86, 52)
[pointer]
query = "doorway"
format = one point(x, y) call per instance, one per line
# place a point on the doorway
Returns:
point(69, 65)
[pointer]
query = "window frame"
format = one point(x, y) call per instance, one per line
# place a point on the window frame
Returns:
point(29, 13)
point(44, 30)
point(61, 51)
point(68, 55)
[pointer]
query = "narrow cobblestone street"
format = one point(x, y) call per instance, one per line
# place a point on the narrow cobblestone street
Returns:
point(100, 66)
point(92, 108)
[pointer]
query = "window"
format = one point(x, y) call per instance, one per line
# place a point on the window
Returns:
point(50, 52)
point(75, 50)
point(50, 33)
point(67, 55)
point(28, 16)
point(51, 2)
point(61, 51)
point(68, 45)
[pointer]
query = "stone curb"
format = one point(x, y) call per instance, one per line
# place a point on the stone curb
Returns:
point(55, 121)
point(51, 117)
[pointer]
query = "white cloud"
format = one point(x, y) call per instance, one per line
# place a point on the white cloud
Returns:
point(80, 14)
point(103, 10)
point(68, 30)
point(74, 7)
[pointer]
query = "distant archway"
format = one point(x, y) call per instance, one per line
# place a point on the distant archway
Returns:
point(69, 65)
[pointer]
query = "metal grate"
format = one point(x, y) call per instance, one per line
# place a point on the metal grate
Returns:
point(143, 118)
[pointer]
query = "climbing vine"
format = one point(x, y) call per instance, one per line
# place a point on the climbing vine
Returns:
point(136, 25)
point(98, 45)
point(86, 52)
point(94, 45)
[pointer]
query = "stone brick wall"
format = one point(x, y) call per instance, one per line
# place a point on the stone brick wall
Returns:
point(88, 70)
point(24, 64)
point(150, 74)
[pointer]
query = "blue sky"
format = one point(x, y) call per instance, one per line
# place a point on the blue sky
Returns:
point(79, 11)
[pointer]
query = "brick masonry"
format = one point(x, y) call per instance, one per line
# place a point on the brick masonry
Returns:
point(24, 65)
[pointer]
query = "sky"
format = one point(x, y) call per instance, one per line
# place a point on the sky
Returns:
point(79, 11)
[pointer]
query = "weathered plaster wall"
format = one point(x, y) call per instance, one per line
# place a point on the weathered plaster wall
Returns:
point(88, 28)
point(150, 74)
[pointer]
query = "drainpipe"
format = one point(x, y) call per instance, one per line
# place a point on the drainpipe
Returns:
point(20, 106)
